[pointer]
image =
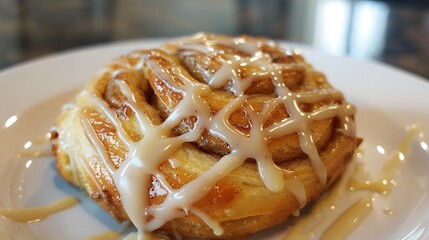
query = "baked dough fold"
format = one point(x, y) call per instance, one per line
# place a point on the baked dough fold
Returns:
point(207, 136)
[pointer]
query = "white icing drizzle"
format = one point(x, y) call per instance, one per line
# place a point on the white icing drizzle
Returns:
point(132, 178)
point(217, 229)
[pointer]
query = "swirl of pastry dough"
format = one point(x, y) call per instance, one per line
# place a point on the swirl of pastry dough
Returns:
point(207, 136)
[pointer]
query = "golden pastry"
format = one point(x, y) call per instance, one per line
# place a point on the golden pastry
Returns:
point(208, 136)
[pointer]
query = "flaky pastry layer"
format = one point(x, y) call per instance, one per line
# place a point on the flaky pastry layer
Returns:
point(96, 135)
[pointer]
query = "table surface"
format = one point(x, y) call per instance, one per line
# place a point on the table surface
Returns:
point(393, 32)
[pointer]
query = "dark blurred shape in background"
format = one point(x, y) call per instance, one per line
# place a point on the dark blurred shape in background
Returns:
point(395, 31)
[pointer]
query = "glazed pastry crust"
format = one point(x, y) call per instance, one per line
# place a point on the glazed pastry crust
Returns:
point(240, 202)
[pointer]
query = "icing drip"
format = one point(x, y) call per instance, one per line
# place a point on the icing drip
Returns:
point(133, 177)
point(35, 214)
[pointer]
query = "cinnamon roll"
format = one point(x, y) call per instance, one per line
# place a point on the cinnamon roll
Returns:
point(207, 136)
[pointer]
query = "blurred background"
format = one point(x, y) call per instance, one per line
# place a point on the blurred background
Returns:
point(392, 31)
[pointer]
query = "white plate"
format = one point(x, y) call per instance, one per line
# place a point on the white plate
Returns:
point(387, 101)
